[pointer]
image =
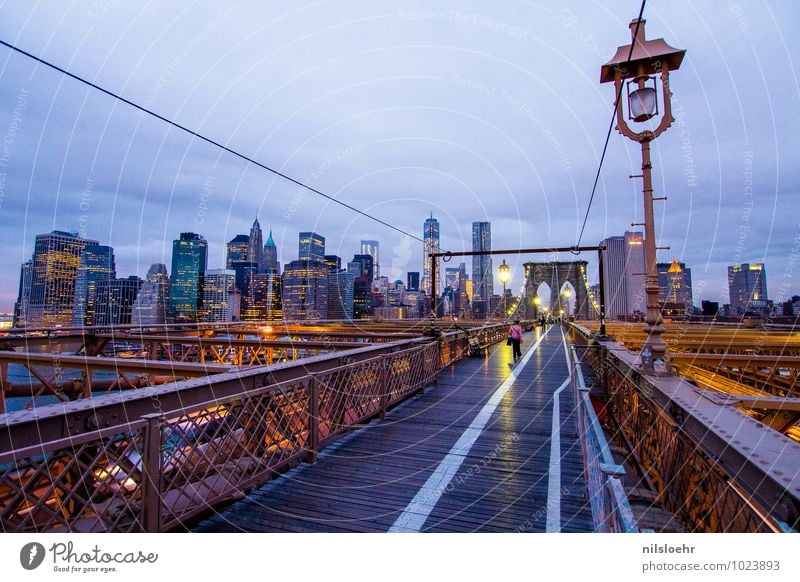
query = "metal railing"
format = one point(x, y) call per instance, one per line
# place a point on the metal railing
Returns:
point(697, 474)
point(611, 510)
point(153, 459)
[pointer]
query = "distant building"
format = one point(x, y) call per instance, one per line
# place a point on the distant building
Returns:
point(482, 276)
point(56, 259)
point(189, 264)
point(271, 255)
point(355, 268)
point(333, 263)
point(23, 295)
point(305, 290)
point(152, 303)
point(220, 296)
point(311, 247)
point(363, 304)
point(115, 299)
point(747, 287)
point(255, 249)
point(261, 300)
point(341, 286)
point(371, 247)
point(415, 303)
point(430, 237)
point(413, 281)
point(623, 279)
point(675, 284)
point(366, 266)
point(709, 308)
point(451, 278)
point(97, 264)
point(238, 259)
point(237, 250)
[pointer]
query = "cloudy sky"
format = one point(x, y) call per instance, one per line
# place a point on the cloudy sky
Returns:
point(467, 110)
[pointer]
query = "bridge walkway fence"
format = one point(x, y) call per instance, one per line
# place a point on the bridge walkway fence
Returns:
point(154, 458)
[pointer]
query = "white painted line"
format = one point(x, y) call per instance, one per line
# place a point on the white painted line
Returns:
point(419, 508)
point(566, 351)
point(554, 471)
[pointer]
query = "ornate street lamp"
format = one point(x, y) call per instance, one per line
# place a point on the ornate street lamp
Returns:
point(639, 71)
point(504, 271)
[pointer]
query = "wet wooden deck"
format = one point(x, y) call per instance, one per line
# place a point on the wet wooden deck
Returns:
point(474, 453)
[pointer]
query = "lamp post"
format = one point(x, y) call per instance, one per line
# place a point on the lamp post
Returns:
point(567, 293)
point(637, 73)
point(504, 272)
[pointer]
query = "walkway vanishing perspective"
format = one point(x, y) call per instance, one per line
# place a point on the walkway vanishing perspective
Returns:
point(489, 448)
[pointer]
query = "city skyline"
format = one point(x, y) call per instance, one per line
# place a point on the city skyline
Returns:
point(518, 149)
point(93, 265)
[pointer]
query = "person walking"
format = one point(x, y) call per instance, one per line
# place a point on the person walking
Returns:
point(515, 335)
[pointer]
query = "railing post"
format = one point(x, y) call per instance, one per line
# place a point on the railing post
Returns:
point(313, 419)
point(151, 473)
point(384, 383)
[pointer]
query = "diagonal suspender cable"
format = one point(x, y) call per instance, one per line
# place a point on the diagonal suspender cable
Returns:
point(205, 139)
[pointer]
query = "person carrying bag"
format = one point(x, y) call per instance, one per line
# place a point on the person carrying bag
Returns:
point(515, 340)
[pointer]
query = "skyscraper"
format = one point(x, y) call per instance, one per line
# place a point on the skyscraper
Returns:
point(261, 300)
point(430, 237)
point(217, 304)
point(24, 294)
point(56, 259)
point(271, 254)
point(97, 264)
point(311, 247)
point(305, 290)
point(482, 276)
point(189, 264)
point(623, 279)
point(340, 295)
point(451, 278)
point(152, 303)
point(114, 300)
point(413, 280)
point(674, 283)
point(238, 259)
point(747, 286)
point(367, 267)
point(333, 262)
point(363, 304)
point(238, 250)
point(370, 247)
point(255, 249)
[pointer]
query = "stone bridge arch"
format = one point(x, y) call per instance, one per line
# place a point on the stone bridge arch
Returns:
point(555, 274)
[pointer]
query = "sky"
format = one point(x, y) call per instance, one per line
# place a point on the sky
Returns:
point(471, 111)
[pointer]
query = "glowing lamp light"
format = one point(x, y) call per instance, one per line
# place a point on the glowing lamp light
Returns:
point(504, 272)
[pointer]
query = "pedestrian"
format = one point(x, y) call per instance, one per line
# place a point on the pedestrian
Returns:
point(515, 335)
point(543, 321)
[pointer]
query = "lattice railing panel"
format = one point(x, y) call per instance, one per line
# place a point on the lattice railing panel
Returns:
point(348, 395)
point(214, 451)
point(687, 481)
point(91, 484)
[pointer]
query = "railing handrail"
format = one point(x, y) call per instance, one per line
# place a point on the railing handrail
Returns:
point(611, 509)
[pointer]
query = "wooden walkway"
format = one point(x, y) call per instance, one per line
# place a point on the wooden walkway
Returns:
point(474, 453)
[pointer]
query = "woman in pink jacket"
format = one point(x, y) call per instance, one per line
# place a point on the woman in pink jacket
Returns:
point(515, 334)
